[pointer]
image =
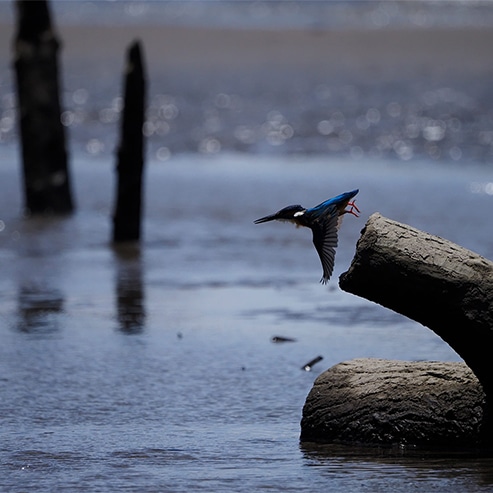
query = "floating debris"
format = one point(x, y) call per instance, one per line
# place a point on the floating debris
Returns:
point(282, 339)
point(309, 365)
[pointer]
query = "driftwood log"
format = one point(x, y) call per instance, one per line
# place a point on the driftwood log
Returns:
point(443, 286)
point(395, 402)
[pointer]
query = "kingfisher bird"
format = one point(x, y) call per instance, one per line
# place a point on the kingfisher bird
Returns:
point(324, 220)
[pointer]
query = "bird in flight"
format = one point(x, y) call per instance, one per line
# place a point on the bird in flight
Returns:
point(324, 220)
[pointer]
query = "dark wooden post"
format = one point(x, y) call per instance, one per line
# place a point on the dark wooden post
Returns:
point(128, 209)
point(46, 174)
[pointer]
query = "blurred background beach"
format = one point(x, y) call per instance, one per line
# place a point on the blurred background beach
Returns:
point(397, 80)
point(154, 369)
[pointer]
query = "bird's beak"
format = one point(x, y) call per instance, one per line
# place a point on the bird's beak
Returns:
point(265, 219)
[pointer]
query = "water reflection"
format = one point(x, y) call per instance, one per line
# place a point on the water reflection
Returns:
point(39, 307)
point(129, 289)
point(464, 466)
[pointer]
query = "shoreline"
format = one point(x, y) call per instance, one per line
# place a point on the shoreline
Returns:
point(395, 53)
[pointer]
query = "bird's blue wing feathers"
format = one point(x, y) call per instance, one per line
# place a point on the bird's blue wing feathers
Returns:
point(325, 241)
point(334, 202)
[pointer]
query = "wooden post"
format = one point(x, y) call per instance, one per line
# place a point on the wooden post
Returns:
point(127, 216)
point(431, 280)
point(46, 174)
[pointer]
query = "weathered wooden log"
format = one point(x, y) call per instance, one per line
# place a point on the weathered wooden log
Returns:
point(372, 401)
point(45, 169)
point(130, 165)
point(446, 288)
point(431, 280)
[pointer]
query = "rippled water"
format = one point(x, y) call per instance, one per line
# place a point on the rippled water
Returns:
point(154, 370)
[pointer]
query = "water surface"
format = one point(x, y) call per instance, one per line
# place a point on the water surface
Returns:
point(153, 368)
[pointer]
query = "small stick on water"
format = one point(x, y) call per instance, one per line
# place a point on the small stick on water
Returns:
point(309, 365)
point(282, 339)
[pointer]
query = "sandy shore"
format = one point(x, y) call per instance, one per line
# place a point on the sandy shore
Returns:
point(385, 52)
point(305, 75)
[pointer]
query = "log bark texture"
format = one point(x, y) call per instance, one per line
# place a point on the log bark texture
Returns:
point(130, 165)
point(46, 174)
point(374, 401)
point(431, 280)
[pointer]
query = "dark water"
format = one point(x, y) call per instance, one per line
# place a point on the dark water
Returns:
point(154, 370)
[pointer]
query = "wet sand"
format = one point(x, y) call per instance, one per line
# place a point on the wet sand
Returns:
point(384, 53)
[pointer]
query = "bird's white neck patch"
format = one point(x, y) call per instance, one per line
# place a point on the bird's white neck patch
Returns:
point(298, 214)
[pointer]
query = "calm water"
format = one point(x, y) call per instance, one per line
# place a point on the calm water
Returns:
point(154, 370)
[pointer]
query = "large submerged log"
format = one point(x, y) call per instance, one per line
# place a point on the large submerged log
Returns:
point(395, 402)
point(446, 288)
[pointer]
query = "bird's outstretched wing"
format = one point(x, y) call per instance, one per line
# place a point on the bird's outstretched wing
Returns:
point(325, 241)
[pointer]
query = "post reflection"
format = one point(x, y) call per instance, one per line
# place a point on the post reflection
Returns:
point(39, 309)
point(129, 292)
